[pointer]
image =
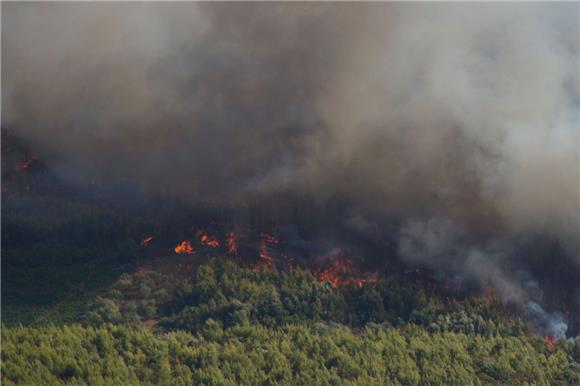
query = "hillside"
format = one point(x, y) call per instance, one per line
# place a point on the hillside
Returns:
point(234, 325)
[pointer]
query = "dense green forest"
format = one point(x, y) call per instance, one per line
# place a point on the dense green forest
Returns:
point(295, 354)
point(231, 325)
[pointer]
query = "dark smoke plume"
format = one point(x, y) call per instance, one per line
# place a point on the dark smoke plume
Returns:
point(458, 120)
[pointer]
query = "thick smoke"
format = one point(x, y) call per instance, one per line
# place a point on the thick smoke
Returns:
point(460, 120)
point(441, 245)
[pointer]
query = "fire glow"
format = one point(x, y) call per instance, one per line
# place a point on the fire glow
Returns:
point(232, 243)
point(21, 166)
point(489, 294)
point(550, 341)
point(207, 240)
point(267, 239)
point(184, 248)
point(341, 273)
point(145, 242)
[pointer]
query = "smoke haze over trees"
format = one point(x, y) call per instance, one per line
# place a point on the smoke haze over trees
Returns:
point(456, 122)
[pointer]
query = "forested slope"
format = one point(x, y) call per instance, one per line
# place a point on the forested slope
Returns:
point(231, 325)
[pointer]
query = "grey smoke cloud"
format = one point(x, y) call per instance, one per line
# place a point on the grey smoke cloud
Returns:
point(446, 247)
point(551, 324)
point(497, 264)
point(462, 112)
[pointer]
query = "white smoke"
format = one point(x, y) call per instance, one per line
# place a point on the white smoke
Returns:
point(550, 324)
point(444, 247)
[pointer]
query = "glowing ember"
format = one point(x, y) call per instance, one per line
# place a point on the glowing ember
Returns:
point(550, 341)
point(335, 272)
point(232, 243)
point(268, 238)
point(289, 260)
point(207, 240)
point(489, 294)
point(360, 282)
point(255, 266)
point(265, 256)
point(184, 248)
point(145, 242)
point(20, 166)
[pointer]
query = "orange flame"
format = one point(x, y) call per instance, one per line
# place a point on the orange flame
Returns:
point(361, 281)
point(341, 273)
point(231, 243)
point(267, 239)
point(335, 272)
point(145, 242)
point(207, 240)
point(550, 341)
point(184, 248)
point(265, 256)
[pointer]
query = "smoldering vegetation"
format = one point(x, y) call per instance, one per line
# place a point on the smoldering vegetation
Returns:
point(448, 132)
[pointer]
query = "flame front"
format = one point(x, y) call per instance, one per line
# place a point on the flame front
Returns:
point(267, 239)
point(184, 248)
point(335, 272)
point(341, 273)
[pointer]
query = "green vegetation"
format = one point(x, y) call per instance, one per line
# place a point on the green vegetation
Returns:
point(289, 355)
point(53, 263)
point(233, 295)
point(135, 298)
point(231, 325)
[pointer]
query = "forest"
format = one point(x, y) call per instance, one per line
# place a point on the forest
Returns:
point(230, 325)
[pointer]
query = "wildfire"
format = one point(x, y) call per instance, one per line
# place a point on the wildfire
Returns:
point(341, 273)
point(207, 240)
point(145, 242)
point(550, 341)
point(267, 239)
point(360, 282)
point(335, 272)
point(232, 243)
point(184, 248)
point(265, 256)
